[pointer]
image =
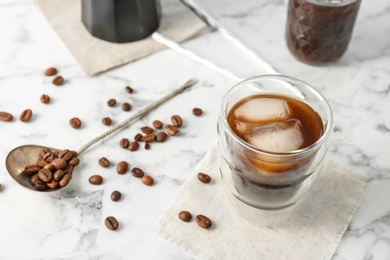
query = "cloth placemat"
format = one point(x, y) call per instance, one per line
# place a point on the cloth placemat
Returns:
point(312, 230)
point(94, 55)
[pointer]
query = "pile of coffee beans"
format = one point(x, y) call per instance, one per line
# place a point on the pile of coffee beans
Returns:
point(52, 169)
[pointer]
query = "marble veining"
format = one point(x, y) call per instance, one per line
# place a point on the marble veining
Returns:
point(70, 224)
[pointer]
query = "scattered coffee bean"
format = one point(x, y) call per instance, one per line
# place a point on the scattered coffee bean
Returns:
point(111, 102)
point(106, 121)
point(147, 180)
point(45, 99)
point(126, 107)
point(58, 81)
point(75, 122)
point(45, 175)
point(147, 146)
point(147, 130)
point(171, 130)
point(133, 146)
point(116, 195)
point(137, 172)
point(129, 89)
point(95, 179)
point(176, 120)
point(161, 137)
point(197, 111)
point(203, 177)
point(149, 137)
point(138, 137)
point(157, 124)
point(65, 180)
point(50, 71)
point(122, 167)
point(111, 223)
point(6, 117)
point(124, 143)
point(203, 221)
point(26, 115)
point(104, 162)
point(185, 216)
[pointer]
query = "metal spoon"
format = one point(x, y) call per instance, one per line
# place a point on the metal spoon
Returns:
point(24, 155)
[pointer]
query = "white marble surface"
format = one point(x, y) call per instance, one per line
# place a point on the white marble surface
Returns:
point(69, 224)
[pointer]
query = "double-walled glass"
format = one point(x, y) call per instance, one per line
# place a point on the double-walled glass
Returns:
point(270, 180)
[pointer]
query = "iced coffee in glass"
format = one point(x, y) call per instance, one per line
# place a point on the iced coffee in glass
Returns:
point(273, 135)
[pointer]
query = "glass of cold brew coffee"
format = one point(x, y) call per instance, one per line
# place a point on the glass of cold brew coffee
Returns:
point(273, 134)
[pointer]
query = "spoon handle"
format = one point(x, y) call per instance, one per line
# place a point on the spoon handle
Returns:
point(140, 113)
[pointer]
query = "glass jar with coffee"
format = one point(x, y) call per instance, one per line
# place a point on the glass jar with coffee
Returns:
point(319, 31)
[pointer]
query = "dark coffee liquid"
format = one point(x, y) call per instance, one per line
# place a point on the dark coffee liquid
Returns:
point(319, 32)
point(310, 123)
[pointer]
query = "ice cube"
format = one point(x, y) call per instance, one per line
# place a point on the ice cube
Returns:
point(278, 137)
point(244, 127)
point(260, 109)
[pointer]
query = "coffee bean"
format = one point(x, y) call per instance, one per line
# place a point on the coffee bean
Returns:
point(126, 107)
point(58, 81)
point(122, 167)
point(44, 151)
point(45, 175)
point(176, 120)
point(58, 175)
point(48, 157)
point(111, 102)
point(45, 99)
point(75, 122)
point(147, 180)
point(40, 185)
point(69, 169)
point(124, 143)
point(6, 117)
point(171, 130)
point(74, 161)
point(53, 184)
point(138, 137)
point(133, 146)
point(149, 137)
point(104, 162)
point(157, 124)
point(197, 111)
point(203, 177)
point(59, 164)
point(26, 115)
point(95, 179)
point(147, 146)
point(185, 216)
point(32, 169)
point(161, 137)
point(106, 121)
point(147, 130)
point(34, 179)
point(49, 167)
point(116, 195)
point(41, 163)
point(65, 180)
point(111, 223)
point(66, 154)
point(203, 221)
point(129, 89)
point(137, 172)
point(51, 71)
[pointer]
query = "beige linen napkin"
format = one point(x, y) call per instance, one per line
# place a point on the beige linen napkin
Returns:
point(310, 231)
point(95, 55)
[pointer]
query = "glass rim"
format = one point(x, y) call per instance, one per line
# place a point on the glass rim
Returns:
point(327, 130)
